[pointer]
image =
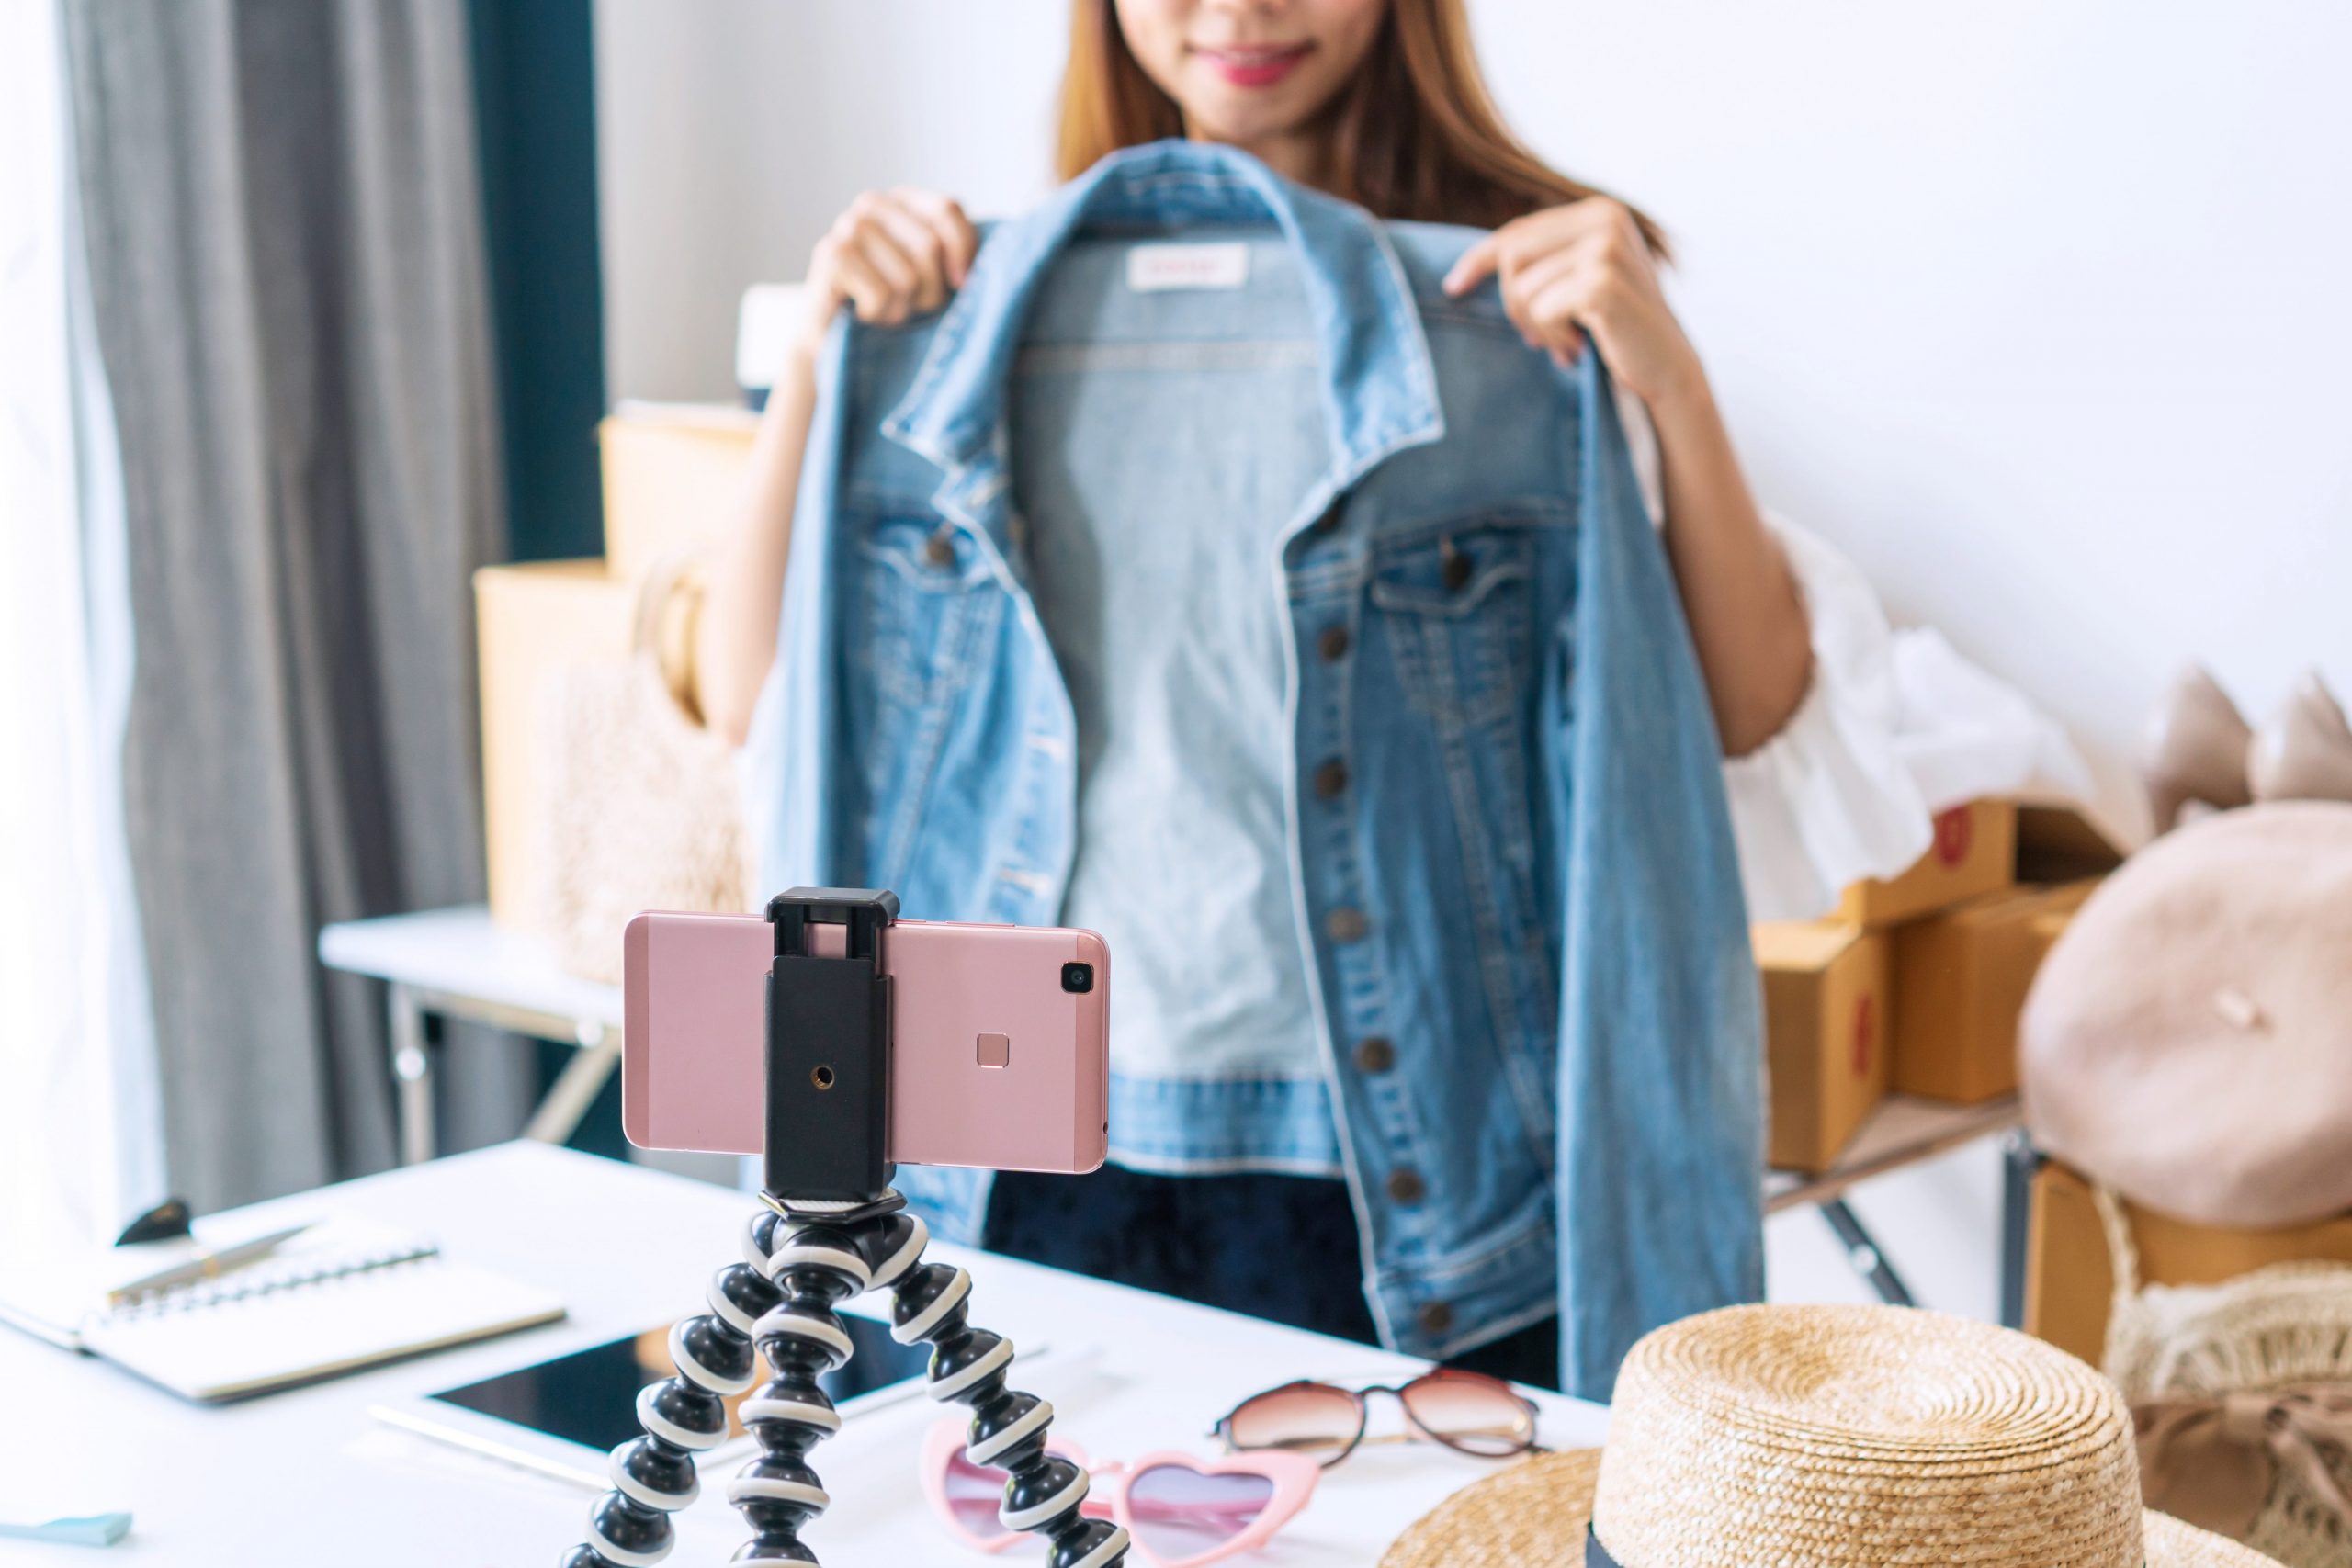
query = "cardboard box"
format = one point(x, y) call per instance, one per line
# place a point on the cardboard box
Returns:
point(1975, 852)
point(1961, 978)
point(1827, 992)
point(674, 476)
point(530, 621)
point(2070, 1285)
point(2058, 844)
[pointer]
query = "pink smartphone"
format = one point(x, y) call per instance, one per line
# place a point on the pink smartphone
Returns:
point(1000, 1038)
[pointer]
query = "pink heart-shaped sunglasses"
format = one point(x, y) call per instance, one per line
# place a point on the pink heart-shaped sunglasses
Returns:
point(1180, 1510)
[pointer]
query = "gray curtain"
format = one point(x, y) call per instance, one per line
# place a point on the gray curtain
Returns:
point(288, 278)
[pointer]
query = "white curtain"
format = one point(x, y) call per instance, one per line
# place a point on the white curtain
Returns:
point(81, 1131)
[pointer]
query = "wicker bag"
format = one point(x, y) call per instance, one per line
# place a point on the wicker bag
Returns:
point(2241, 1395)
point(640, 807)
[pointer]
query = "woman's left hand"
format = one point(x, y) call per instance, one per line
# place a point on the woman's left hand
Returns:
point(1585, 268)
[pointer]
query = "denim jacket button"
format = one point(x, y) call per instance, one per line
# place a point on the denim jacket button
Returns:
point(1332, 644)
point(939, 550)
point(1436, 1317)
point(1406, 1185)
point(1375, 1053)
point(1454, 570)
point(1331, 779)
point(1347, 925)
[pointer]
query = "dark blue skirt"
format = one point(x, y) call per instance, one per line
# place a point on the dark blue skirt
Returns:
point(1281, 1247)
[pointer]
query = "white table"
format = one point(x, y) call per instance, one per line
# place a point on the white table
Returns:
point(458, 963)
point(306, 1476)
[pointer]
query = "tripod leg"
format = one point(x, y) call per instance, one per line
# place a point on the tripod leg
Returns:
point(654, 1476)
point(814, 1267)
point(930, 1304)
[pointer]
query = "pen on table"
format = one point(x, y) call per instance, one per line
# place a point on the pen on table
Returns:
point(205, 1265)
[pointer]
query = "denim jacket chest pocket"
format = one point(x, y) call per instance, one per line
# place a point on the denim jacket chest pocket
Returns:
point(1456, 606)
point(923, 582)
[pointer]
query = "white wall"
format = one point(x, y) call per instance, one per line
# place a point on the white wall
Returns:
point(2038, 310)
point(730, 132)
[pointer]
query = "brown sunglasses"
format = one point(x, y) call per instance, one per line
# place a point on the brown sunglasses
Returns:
point(1468, 1412)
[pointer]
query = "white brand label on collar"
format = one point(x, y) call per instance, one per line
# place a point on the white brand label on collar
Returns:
point(1151, 268)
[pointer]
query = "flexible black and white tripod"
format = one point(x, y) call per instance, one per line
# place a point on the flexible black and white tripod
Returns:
point(843, 1232)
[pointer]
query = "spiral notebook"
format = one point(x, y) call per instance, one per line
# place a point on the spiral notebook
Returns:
point(344, 1295)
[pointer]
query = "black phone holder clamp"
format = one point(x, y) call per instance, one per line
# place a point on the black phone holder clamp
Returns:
point(828, 1048)
point(829, 1227)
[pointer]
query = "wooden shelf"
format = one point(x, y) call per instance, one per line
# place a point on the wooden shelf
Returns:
point(1903, 1131)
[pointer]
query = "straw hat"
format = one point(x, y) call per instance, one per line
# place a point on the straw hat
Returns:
point(1822, 1436)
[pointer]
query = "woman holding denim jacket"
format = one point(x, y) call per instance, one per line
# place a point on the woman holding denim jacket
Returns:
point(1380, 102)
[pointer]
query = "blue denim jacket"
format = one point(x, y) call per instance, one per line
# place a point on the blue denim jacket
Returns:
point(1537, 1014)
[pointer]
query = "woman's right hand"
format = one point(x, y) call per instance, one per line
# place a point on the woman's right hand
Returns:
point(893, 256)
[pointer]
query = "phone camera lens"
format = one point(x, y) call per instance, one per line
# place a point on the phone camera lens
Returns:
point(1077, 976)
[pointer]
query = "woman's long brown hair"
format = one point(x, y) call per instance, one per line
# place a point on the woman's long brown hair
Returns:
point(1414, 136)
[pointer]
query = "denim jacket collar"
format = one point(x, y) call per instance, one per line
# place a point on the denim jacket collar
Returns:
point(1382, 393)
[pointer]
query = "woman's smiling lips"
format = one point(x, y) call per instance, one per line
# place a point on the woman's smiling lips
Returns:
point(1256, 65)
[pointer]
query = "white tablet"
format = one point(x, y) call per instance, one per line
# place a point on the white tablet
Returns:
point(565, 1416)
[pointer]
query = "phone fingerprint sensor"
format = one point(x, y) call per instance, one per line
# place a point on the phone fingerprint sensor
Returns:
point(995, 1051)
